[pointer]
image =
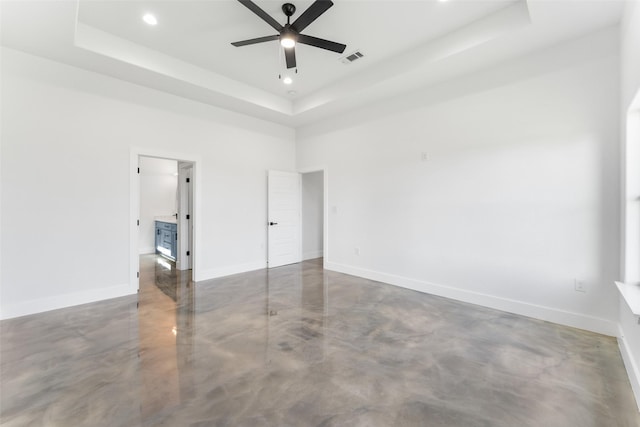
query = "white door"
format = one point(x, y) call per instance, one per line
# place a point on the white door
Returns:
point(283, 218)
point(185, 211)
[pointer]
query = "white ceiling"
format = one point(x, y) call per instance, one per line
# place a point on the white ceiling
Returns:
point(407, 45)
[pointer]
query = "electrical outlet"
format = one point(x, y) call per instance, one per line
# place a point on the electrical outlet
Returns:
point(579, 286)
point(356, 251)
point(424, 156)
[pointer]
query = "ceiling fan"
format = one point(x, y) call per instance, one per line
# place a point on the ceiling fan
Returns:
point(289, 34)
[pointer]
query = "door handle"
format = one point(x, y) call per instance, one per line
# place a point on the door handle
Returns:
point(273, 223)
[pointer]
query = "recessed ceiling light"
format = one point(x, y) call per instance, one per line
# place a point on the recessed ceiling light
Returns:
point(287, 80)
point(150, 19)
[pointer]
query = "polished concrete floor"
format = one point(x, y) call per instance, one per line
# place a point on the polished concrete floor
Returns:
point(299, 346)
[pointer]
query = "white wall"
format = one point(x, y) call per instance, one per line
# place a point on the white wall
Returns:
point(519, 195)
point(629, 336)
point(312, 214)
point(158, 197)
point(67, 138)
point(630, 54)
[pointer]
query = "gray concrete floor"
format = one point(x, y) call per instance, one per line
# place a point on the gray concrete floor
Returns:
point(300, 346)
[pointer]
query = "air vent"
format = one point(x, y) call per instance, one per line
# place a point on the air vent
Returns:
point(351, 57)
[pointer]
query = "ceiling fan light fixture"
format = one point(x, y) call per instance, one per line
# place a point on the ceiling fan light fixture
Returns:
point(287, 42)
point(150, 19)
point(287, 80)
point(287, 37)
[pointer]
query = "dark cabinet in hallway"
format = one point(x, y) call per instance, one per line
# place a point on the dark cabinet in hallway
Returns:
point(166, 239)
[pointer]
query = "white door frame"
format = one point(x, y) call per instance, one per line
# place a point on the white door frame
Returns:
point(325, 210)
point(630, 246)
point(134, 208)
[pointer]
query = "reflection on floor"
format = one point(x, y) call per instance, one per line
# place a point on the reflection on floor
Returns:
point(300, 346)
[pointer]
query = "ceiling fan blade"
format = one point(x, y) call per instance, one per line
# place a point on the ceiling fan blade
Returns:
point(290, 57)
point(257, 40)
point(321, 43)
point(311, 14)
point(262, 14)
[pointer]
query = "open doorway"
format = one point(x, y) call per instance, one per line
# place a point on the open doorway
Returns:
point(166, 209)
point(164, 206)
point(158, 206)
point(312, 196)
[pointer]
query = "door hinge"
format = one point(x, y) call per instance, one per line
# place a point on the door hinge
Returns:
point(188, 179)
point(188, 216)
point(138, 274)
point(188, 253)
point(138, 222)
point(138, 170)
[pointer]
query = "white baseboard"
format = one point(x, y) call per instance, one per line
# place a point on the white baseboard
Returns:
point(633, 370)
point(576, 320)
point(67, 300)
point(630, 364)
point(312, 255)
point(147, 250)
point(214, 273)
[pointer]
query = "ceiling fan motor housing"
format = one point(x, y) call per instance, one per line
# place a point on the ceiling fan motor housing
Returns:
point(288, 33)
